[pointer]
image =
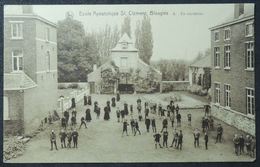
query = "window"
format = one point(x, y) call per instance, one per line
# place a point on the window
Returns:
point(6, 108)
point(48, 61)
point(227, 96)
point(216, 35)
point(124, 45)
point(217, 93)
point(227, 34)
point(216, 57)
point(17, 30)
point(250, 55)
point(123, 61)
point(47, 34)
point(227, 57)
point(249, 29)
point(250, 101)
point(17, 60)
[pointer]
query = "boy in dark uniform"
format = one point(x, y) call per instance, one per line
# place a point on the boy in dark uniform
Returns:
point(164, 124)
point(147, 123)
point(219, 133)
point(63, 136)
point(206, 139)
point(196, 135)
point(165, 138)
point(125, 124)
point(75, 135)
point(157, 137)
point(118, 114)
point(178, 117)
point(180, 140)
point(236, 144)
point(83, 122)
point(132, 123)
point(153, 125)
point(241, 144)
point(53, 140)
point(69, 137)
point(122, 112)
point(137, 128)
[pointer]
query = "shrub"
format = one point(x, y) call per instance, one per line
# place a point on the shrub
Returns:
point(198, 90)
point(62, 86)
point(73, 86)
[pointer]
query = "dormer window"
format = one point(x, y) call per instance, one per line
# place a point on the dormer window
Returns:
point(124, 45)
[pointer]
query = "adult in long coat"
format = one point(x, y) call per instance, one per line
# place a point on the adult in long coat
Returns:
point(126, 108)
point(108, 106)
point(88, 115)
point(117, 96)
point(89, 100)
point(73, 103)
point(85, 100)
point(106, 115)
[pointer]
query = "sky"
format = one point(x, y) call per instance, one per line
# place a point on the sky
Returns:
point(180, 34)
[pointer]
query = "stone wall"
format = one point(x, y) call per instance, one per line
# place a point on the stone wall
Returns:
point(167, 86)
point(234, 118)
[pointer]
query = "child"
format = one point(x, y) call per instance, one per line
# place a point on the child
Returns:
point(189, 119)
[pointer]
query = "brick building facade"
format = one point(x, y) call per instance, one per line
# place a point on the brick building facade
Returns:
point(233, 76)
point(30, 69)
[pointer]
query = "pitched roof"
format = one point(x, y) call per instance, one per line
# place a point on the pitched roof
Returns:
point(120, 47)
point(204, 62)
point(18, 81)
point(125, 38)
point(248, 12)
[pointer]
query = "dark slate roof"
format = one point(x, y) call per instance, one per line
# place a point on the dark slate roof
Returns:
point(18, 81)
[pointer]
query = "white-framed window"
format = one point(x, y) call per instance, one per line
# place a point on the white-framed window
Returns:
point(6, 108)
point(216, 57)
point(250, 55)
point(227, 56)
point(47, 34)
point(227, 97)
point(48, 61)
point(217, 93)
point(250, 101)
point(249, 29)
point(17, 60)
point(227, 34)
point(216, 36)
point(123, 61)
point(16, 30)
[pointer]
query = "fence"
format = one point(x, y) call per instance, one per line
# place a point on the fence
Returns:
point(64, 103)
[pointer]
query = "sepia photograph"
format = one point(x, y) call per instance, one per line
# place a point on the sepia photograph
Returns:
point(129, 83)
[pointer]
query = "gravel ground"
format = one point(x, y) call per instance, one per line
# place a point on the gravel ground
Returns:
point(102, 141)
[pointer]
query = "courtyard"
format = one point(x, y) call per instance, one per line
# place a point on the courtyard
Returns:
point(102, 140)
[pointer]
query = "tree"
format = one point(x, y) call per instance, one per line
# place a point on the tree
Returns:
point(126, 26)
point(145, 41)
point(70, 38)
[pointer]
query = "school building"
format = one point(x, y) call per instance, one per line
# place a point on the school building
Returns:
point(233, 75)
point(30, 69)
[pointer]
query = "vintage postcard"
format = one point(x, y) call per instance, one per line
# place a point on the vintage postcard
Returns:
point(129, 83)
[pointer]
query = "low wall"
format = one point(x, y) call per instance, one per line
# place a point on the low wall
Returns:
point(233, 118)
point(65, 85)
point(167, 86)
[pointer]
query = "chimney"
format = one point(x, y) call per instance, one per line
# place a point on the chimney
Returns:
point(239, 10)
point(27, 9)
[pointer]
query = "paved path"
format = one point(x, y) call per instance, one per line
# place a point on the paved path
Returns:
point(102, 141)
